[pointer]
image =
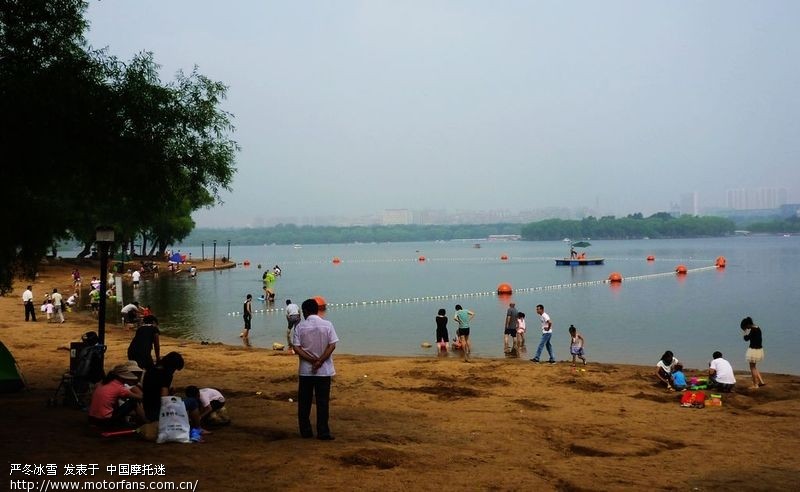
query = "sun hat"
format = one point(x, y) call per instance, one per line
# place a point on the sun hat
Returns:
point(133, 366)
point(123, 371)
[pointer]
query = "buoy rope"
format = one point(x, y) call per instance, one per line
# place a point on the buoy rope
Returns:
point(404, 300)
point(515, 259)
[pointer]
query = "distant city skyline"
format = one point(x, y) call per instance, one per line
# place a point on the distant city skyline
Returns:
point(688, 203)
point(349, 108)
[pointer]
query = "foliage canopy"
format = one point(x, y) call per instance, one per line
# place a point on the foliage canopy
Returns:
point(660, 225)
point(88, 139)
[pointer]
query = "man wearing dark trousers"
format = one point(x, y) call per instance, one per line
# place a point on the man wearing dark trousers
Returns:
point(314, 341)
point(27, 301)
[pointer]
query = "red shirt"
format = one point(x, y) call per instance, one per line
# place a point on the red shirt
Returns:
point(105, 397)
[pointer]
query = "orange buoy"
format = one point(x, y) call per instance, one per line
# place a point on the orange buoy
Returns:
point(421, 258)
point(504, 289)
point(336, 260)
point(246, 263)
point(321, 302)
point(651, 258)
point(721, 262)
point(504, 257)
point(681, 270)
point(615, 277)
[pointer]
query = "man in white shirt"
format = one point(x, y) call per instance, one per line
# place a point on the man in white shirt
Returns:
point(547, 333)
point(27, 301)
point(720, 373)
point(57, 311)
point(314, 342)
point(136, 276)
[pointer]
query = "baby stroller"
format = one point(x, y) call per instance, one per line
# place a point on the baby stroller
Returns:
point(85, 369)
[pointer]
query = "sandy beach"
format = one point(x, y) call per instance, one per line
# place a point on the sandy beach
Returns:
point(414, 423)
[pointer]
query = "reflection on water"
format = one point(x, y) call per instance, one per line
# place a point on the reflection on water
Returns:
point(635, 321)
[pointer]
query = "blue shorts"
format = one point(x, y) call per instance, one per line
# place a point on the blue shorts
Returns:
point(191, 404)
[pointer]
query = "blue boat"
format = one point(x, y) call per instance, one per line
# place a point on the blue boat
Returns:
point(576, 259)
point(579, 261)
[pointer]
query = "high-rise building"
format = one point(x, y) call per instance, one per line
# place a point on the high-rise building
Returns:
point(397, 216)
point(756, 198)
point(690, 204)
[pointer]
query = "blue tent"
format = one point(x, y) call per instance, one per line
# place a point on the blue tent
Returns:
point(175, 258)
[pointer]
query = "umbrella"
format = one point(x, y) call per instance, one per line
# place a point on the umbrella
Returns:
point(580, 244)
point(175, 258)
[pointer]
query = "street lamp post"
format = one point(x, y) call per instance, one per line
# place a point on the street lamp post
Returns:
point(104, 236)
point(229, 250)
point(202, 250)
point(214, 262)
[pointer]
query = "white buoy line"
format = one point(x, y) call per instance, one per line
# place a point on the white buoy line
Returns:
point(405, 300)
point(511, 258)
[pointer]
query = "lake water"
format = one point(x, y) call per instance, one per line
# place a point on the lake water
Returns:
point(382, 299)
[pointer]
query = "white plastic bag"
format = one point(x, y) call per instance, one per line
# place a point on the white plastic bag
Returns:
point(173, 421)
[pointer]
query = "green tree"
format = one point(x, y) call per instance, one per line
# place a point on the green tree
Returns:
point(90, 140)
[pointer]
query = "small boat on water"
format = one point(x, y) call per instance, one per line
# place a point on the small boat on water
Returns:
point(579, 261)
point(476, 245)
point(576, 259)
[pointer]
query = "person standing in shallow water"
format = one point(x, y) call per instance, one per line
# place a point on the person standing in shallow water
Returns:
point(510, 329)
point(463, 317)
point(442, 337)
point(755, 351)
point(247, 315)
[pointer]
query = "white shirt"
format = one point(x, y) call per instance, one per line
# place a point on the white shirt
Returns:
point(723, 372)
point(292, 309)
point(313, 335)
point(667, 368)
point(207, 395)
point(57, 299)
point(27, 296)
point(128, 308)
point(546, 327)
point(136, 275)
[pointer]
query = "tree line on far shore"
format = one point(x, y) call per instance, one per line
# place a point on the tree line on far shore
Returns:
point(88, 140)
point(661, 225)
point(634, 226)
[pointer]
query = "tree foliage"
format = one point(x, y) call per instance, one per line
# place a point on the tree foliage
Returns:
point(87, 139)
point(293, 234)
point(787, 225)
point(660, 225)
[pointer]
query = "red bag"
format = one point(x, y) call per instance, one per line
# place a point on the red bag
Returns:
point(695, 399)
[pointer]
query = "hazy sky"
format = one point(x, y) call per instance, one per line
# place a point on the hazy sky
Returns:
point(350, 107)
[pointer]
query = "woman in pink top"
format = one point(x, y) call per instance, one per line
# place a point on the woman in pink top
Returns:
point(120, 384)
